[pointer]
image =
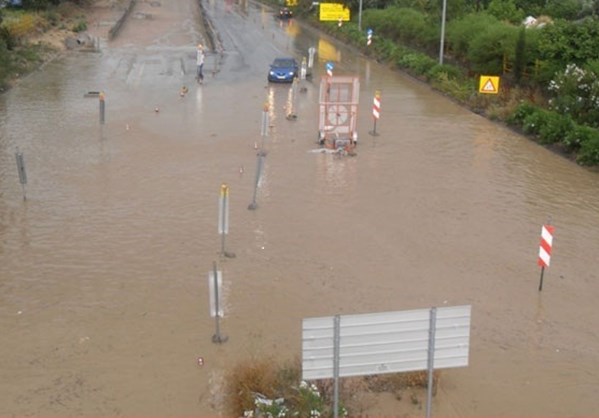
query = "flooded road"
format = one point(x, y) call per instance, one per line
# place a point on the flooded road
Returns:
point(103, 269)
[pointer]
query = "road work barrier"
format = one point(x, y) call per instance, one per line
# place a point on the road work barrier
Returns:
point(545, 250)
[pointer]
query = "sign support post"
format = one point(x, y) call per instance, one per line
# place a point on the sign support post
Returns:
point(216, 280)
point(329, 67)
point(311, 52)
point(22, 171)
point(223, 219)
point(336, 339)
point(431, 360)
point(254, 205)
point(102, 107)
point(264, 128)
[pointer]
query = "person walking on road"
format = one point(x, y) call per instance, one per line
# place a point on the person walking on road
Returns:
point(200, 63)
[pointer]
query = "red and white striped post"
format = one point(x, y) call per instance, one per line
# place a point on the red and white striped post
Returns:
point(376, 110)
point(545, 250)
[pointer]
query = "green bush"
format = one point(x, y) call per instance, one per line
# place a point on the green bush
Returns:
point(505, 10)
point(80, 26)
point(589, 151)
point(461, 90)
point(555, 128)
point(488, 49)
point(563, 9)
point(533, 123)
point(444, 71)
point(461, 32)
point(577, 136)
point(575, 92)
point(385, 49)
point(405, 25)
point(522, 111)
point(417, 63)
point(7, 39)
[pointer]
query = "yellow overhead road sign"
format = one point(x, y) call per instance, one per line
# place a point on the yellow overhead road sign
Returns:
point(488, 84)
point(333, 12)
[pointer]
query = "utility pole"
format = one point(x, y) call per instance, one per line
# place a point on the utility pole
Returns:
point(442, 47)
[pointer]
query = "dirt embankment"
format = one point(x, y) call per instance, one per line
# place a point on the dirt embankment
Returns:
point(99, 16)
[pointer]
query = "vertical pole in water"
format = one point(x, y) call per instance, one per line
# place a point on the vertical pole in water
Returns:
point(102, 107)
point(264, 128)
point(291, 115)
point(223, 218)
point(541, 281)
point(336, 343)
point(431, 359)
point(216, 283)
point(22, 171)
point(311, 52)
point(303, 69)
point(254, 205)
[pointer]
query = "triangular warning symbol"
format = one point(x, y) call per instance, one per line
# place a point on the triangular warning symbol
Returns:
point(489, 87)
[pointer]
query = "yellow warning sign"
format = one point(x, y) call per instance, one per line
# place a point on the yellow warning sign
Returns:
point(488, 84)
point(333, 12)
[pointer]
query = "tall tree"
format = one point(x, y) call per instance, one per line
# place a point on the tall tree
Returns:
point(520, 58)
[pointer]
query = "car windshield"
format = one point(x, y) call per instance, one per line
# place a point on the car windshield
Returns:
point(283, 63)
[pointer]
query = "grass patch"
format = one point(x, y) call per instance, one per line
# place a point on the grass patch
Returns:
point(20, 53)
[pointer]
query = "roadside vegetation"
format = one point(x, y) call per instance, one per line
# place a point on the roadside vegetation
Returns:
point(265, 388)
point(549, 67)
point(20, 52)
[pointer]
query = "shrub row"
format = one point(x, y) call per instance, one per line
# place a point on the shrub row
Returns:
point(550, 127)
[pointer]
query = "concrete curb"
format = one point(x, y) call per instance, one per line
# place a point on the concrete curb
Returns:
point(115, 29)
point(213, 37)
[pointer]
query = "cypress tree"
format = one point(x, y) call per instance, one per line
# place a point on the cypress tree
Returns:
point(520, 59)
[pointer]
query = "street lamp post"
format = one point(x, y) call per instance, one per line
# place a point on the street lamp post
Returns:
point(442, 32)
point(360, 16)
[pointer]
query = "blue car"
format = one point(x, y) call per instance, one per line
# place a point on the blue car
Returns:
point(283, 70)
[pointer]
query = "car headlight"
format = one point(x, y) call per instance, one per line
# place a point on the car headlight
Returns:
point(272, 72)
point(291, 73)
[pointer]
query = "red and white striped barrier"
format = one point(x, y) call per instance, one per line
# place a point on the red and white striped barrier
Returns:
point(376, 106)
point(545, 250)
point(545, 246)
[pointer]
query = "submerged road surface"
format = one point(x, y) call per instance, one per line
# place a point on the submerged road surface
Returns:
point(104, 306)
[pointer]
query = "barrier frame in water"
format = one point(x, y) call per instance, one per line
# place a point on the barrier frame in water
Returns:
point(338, 112)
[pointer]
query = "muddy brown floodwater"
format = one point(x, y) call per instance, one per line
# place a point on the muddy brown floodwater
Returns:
point(103, 269)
